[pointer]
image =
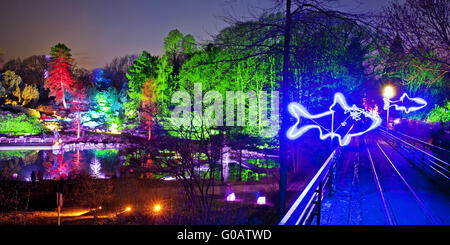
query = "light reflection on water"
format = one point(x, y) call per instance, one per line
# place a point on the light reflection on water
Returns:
point(102, 163)
point(97, 163)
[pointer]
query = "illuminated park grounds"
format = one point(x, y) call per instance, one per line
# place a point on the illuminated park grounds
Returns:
point(301, 113)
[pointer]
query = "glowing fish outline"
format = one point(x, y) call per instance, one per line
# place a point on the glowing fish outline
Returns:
point(298, 111)
point(389, 103)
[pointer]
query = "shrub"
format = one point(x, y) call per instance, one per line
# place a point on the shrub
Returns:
point(20, 125)
point(440, 114)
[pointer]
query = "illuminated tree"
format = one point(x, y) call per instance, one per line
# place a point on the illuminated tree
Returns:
point(118, 68)
point(78, 104)
point(163, 82)
point(101, 78)
point(13, 82)
point(143, 69)
point(440, 114)
point(114, 107)
point(178, 47)
point(30, 92)
point(20, 124)
point(60, 80)
point(31, 70)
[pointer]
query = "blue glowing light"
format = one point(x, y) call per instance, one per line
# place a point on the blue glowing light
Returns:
point(419, 103)
point(355, 113)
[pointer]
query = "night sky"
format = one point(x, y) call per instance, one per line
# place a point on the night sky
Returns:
point(99, 30)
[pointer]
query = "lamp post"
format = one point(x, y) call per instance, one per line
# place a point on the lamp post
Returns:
point(388, 92)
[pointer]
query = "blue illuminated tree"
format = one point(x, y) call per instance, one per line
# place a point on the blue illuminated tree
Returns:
point(101, 78)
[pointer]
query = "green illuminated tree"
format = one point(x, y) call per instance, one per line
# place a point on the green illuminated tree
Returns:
point(178, 47)
point(20, 124)
point(116, 114)
point(164, 89)
point(148, 104)
point(143, 69)
point(440, 114)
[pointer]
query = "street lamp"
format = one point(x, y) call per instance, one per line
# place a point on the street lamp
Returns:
point(388, 92)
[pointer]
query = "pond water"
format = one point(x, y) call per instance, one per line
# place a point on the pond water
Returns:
point(19, 164)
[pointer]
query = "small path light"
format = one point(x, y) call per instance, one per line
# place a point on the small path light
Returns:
point(157, 208)
point(231, 197)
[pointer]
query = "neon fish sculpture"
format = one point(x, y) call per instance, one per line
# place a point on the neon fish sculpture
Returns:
point(355, 113)
point(408, 105)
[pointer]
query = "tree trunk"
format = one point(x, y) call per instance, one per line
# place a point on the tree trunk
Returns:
point(149, 130)
point(64, 102)
point(284, 114)
point(78, 125)
point(240, 164)
point(221, 163)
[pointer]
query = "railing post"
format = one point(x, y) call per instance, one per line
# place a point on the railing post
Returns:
point(333, 173)
point(330, 183)
point(423, 155)
point(319, 201)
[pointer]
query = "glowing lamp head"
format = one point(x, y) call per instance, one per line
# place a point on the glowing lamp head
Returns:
point(388, 91)
point(157, 208)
